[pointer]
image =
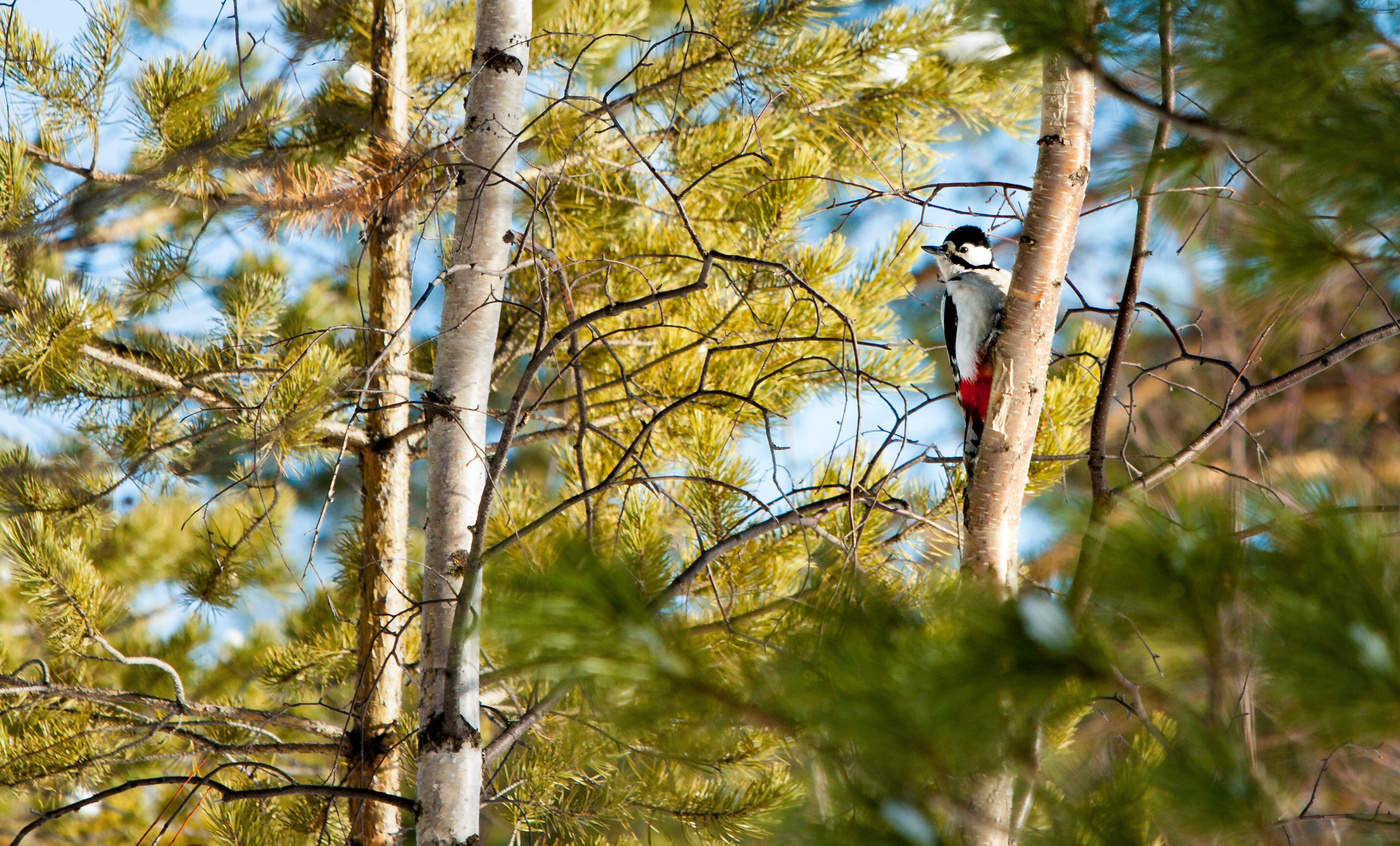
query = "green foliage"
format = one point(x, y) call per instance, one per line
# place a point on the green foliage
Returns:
point(651, 746)
point(293, 821)
point(316, 652)
point(61, 483)
point(25, 187)
point(1070, 392)
point(68, 91)
point(1296, 609)
point(1341, 603)
point(53, 746)
point(56, 575)
point(154, 275)
point(823, 678)
point(38, 347)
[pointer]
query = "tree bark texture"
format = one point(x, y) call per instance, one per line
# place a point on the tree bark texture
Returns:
point(1019, 363)
point(989, 811)
point(1022, 354)
point(450, 756)
point(372, 748)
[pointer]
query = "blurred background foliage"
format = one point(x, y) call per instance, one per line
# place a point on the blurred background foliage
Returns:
point(182, 344)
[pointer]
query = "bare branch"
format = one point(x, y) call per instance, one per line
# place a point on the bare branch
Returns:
point(503, 742)
point(1261, 391)
point(16, 686)
point(797, 516)
point(226, 794)
point(143, 661)
point(1127, 304)
point(1197, 124)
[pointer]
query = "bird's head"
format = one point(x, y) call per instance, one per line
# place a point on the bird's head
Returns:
point(965, 247)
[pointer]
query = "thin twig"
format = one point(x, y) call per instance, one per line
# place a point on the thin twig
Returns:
point(1261, 391)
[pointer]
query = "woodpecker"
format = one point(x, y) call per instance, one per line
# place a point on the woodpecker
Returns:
point(976, 292)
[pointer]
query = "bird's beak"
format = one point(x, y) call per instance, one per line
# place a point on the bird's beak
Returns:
point(936, 273)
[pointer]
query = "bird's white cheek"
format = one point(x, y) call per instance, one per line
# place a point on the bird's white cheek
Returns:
point(979, 256)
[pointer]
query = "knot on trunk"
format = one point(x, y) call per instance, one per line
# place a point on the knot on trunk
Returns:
point(361, 746)
point(449, 732)
point(500, 61)
point(436, 404)
point(457, 562)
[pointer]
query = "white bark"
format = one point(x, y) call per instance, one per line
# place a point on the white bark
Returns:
point(449, 765)
point(989, 811)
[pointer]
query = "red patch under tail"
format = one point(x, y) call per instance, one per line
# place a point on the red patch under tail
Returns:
point(976, 393)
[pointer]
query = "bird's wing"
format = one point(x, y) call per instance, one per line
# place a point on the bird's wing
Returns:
point(950, 333)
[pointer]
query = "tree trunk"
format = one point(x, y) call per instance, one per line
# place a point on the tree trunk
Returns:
point(1020, 360)
point(1022, 353)
point(449, 767)
point(373, 745)
point(989, 811)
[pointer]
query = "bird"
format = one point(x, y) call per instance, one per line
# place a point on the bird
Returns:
point(975, 294)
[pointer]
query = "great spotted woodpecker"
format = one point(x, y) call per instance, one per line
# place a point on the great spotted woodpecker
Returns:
point(976, 292)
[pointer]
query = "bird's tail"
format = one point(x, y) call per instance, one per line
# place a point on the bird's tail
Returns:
point(972, 439)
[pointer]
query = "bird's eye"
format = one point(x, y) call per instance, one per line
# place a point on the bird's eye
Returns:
point(962, 249)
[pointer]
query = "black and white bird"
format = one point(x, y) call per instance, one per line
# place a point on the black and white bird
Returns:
point(976, 292)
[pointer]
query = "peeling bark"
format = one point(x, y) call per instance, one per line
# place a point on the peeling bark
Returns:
point(450, 756)
point(372, 744)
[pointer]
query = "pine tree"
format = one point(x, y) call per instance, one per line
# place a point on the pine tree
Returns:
point(663, 302)
point(373, 747)
point(687, 632)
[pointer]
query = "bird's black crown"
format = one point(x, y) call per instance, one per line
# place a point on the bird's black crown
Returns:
point(967, 235)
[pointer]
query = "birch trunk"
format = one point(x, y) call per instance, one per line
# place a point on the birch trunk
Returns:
point(1022, 354)
point(450, 756)
point(1020, 360)
point(373, 745)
